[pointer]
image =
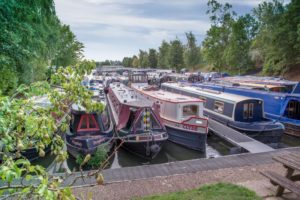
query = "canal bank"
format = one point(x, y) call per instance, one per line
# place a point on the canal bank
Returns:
point(126, 183)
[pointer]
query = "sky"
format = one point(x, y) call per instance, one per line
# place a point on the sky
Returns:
point(113, 29)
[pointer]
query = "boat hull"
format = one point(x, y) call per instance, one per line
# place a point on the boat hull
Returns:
point(77, 146)
point(268, 132)
point(188, 139)
point(75, 151)
point(146, 149)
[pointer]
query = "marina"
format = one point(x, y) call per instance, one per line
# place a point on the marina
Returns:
point(144, 116)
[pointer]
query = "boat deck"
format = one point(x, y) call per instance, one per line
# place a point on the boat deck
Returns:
point(237, 138)
point(164, 95)
point(128, 96)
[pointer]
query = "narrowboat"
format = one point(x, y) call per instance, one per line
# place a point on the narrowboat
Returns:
point(264, 83)
point(239, 112)
point(89, 131)
point(281, 107)
point(181, 115)
point(136, 122)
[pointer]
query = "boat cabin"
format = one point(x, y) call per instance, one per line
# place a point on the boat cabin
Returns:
point(131, 111)
point(87, 123)
point(222, 105)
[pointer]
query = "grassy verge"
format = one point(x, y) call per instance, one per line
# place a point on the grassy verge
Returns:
point(219, 191)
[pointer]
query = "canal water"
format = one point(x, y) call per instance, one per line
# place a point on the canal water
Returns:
point(171, 152)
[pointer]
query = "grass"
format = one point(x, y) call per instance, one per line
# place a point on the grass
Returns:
point(219, 191)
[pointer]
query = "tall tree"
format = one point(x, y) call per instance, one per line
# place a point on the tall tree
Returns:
point(163, 55)
point(152, 58)
point(32, 37)
point(217, 38)
point(127, 62)
point(192, 51)
point(176, 54)
point(135, 61)
point(278, 39)
point(237, 53)
point(143, 59)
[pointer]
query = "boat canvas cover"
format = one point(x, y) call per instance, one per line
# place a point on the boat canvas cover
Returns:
point(123, 117)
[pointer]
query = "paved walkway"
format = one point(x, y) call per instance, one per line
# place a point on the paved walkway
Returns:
point(247, 176)
point(127, 183)
point(184, 167)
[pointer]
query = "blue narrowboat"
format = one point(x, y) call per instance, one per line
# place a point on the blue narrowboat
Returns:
point(239, 112)
point(282, 107)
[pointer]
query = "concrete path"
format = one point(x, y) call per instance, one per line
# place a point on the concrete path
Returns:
point(239, 169)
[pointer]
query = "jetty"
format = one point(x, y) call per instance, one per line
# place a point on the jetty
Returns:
point(237, 138)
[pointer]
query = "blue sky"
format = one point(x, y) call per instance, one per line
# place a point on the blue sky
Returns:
point(113, 29)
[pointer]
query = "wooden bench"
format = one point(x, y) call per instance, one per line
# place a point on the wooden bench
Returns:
point(282, 181)
point(292, 164)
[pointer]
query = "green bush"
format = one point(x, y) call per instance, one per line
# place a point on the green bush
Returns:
point(96, 160)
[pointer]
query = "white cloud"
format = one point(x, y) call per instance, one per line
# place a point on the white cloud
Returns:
point(100, 24)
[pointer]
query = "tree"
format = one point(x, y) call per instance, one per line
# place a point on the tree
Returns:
point(143, 59)
point(32, 38)
point(152, 58)
point(127, 62)
point(135, 61)
point(163, 55)
point(24, 125)
point(176, 54)
point(237, 53)
point(278, 35)
point(69, 49)
point(192, 54)
point(217, 38)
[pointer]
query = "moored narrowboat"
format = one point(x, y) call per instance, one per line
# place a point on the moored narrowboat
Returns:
point(89, 131)
point(241, 113)
point(136, 123)
point(181, 115)
point(281, 107)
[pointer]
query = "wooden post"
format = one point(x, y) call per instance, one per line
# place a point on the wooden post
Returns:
point(288, 175)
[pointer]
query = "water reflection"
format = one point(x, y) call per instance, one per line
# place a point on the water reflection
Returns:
point(171, 152)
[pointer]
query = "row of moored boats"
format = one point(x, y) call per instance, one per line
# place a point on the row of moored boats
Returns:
point(143, 116)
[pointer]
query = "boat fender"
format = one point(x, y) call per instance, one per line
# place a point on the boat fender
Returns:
point(155, 148)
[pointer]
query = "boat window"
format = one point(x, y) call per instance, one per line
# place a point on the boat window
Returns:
point(92, 123)
point(190, 110)
point(293, 109)
point(88, 123)
point(154, 123)
point(246, 111)
point(83, 121)
point(219, 106)
point(251, 106)
point(139, 124)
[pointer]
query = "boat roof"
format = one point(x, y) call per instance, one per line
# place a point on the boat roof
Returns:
point(128, 96)
point(209, 93)
point(169, 96)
